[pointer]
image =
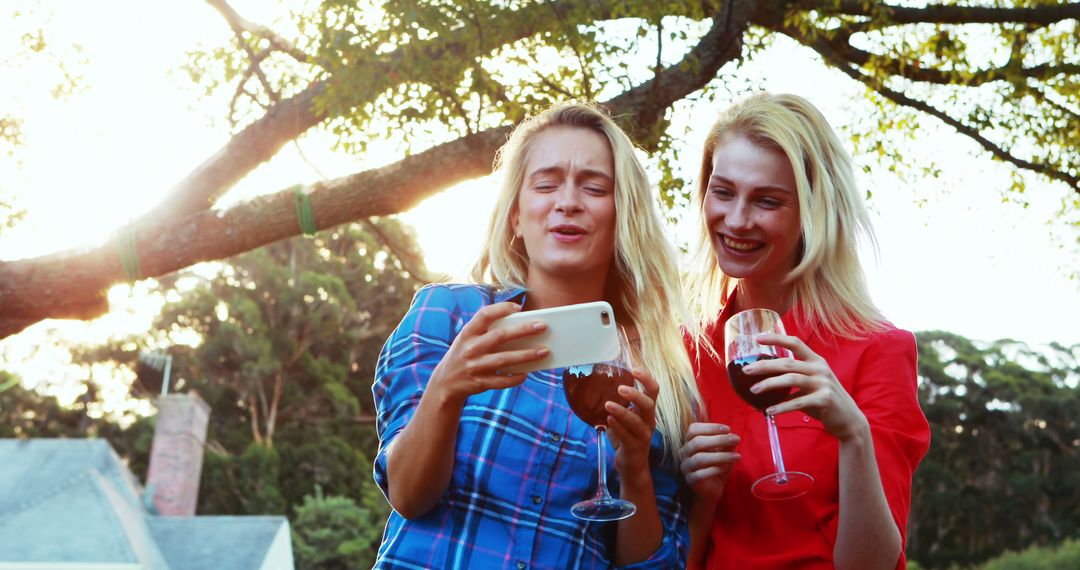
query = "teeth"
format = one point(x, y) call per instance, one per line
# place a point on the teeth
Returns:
point(741, 246)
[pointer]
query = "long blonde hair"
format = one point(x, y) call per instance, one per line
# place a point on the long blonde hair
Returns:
point(828, 285)
point(643, 283)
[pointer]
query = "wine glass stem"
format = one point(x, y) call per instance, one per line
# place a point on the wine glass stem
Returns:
point(601, 458)
point(774, 444)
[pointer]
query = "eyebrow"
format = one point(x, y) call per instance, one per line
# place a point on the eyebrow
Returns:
point(586, 172)
point(721, 179)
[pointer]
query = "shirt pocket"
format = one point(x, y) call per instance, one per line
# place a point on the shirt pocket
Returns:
point(808, 448)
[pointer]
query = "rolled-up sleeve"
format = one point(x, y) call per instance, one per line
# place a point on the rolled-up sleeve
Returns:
point(670, 495)
point(887, 394)
point(405, 364)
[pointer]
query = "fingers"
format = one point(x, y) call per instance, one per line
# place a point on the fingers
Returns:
point(648, 383)
point(781, 365)
point(636, 420)
point(644, 403)
point(716, 463)
point(627, 425)
point(706, 428)
point(709, 443)
point(491, 364)
point(793, 380)
point(494, 338)
point(489, 314)
point(699, 475)
point(792, 343)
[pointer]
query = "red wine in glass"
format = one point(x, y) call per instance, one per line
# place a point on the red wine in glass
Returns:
point(742, 348)
point(587, 389)
point(742, 382)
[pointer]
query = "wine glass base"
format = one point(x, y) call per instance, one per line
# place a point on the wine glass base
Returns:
point(603, 509)
point(780, 486)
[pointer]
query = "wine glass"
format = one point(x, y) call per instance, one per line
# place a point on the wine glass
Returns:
point(588, 387)
point(742, 348)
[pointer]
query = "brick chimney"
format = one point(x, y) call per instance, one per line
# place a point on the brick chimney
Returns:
point(176, 456)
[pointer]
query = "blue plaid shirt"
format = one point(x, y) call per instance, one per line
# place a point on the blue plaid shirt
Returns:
point(522, 459)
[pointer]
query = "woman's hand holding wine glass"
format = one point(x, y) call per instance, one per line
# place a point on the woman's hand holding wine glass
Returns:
point(591, 389)
point(817, 392)
point(630, 426)
point(744, 354)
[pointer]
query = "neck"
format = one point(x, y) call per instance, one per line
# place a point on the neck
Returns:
point(773, 295)
point(548, 291)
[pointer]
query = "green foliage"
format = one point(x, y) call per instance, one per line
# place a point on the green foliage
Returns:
point(1064, 555)
point(420, 72)
point(245, 484)
point(331, 533)
point(288, 339)
point(25, 413)
point(1011, 83)
point(1000, 473)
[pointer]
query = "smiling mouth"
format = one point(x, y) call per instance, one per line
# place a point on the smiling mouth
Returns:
point(741, 245)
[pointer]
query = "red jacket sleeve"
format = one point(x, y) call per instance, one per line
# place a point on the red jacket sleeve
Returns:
point(886, 391)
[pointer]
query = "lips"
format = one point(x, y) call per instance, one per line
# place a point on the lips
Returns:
point(567, 233)
point(740, 245)
point(567, 229)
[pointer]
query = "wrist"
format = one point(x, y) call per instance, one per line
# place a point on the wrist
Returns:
point(636, 481)
point(442, 398)
point(857, 433)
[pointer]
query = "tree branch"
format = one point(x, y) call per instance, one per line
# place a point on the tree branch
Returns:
point(838, 61)
point(72, 284)
point(949, 14)
point(911, 70)
point(283, 122)
point(239, 24)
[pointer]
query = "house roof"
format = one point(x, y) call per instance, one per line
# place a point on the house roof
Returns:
point(204, 542)
point(64, 501)
point(74, 501)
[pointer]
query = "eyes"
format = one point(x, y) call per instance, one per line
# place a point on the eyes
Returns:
point(766, 201)
point(589, 187)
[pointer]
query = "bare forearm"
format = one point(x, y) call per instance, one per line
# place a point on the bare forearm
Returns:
point(867, 536)
point(641, 535)
point(421, 459)
point(701, 519)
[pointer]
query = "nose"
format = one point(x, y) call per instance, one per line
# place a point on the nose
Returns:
point(567, 199)
point(738, 216)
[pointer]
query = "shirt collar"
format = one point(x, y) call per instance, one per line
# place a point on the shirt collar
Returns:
point(515, 294)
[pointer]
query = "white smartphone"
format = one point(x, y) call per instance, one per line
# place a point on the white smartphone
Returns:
point(576, 334)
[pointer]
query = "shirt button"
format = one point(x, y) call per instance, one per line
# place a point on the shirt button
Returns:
point(556, 437)
point(520, 565)
point(806, 419)
point(536, 499)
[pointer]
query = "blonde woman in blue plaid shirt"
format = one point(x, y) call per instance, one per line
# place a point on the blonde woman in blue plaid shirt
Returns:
point(482, 468)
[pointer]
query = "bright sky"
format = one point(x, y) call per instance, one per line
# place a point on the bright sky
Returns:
point(953, 254)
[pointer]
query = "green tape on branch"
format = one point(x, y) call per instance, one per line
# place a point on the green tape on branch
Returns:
point(127, 248)
point(304, 215)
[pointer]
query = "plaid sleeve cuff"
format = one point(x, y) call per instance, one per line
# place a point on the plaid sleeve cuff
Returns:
point(380, 467)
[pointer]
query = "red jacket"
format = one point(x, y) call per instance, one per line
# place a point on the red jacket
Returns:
point(880, 374)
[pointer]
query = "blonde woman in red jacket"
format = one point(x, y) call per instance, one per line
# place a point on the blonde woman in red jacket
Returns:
point(782, 217)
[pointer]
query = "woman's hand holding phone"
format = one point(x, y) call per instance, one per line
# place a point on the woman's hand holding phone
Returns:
point(473, 362)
